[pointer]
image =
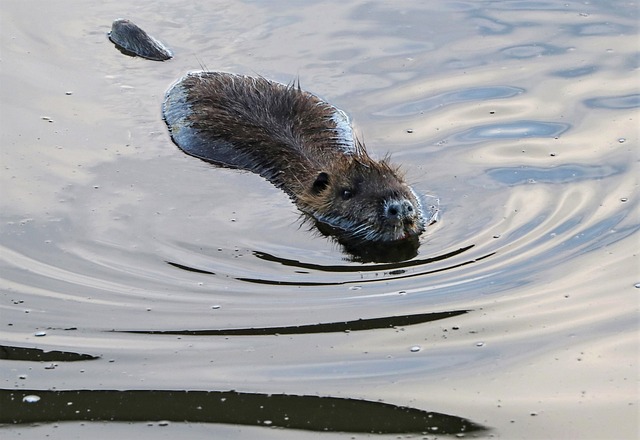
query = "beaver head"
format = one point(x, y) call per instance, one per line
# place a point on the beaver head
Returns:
point(366, 199)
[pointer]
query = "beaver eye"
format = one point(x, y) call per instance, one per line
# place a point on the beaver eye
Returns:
point(346, 194)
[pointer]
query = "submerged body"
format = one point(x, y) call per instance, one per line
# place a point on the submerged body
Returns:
point(298, 142)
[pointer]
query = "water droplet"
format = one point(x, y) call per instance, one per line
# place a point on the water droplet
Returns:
point(415, 349)
point(40, 334)
point(622, 140)
point(31, 398)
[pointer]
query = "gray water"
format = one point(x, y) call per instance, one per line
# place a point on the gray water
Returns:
point(519, 314)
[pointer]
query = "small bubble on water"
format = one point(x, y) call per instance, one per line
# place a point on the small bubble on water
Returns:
point(40, 334)
point(637, 285)
point(216, 307)
point(624, 199)
point(31, 398)
point(409, 131)
point(415, 349)
point(479, 344)
point(622, 140)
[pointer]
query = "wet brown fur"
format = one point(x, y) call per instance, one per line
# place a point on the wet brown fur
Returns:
point(292, 138)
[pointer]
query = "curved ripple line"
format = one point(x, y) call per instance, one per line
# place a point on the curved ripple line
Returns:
point(12, 353)
point(311, 413)
point(398, 274)
point(328, 327)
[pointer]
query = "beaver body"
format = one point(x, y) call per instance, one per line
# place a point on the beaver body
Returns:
point(298, 142)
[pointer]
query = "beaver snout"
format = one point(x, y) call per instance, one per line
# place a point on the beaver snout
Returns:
point(399, 210)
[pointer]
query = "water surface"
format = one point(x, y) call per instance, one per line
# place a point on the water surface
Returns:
point(132, 272)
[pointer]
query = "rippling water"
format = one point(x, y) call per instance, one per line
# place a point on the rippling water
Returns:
point(142, 288)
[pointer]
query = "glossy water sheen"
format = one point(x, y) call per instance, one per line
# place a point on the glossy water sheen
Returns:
point(133, 273)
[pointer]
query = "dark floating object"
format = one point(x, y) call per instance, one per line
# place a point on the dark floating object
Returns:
point(312, 413)
point(11, 353)
point(326, 327)
point(133, 41)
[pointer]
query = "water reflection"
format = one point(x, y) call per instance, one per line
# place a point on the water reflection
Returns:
point(411, 107)
point(559, 174)
point(614, 102)
point(312, 413)
point(329, 327)
point(512, 130)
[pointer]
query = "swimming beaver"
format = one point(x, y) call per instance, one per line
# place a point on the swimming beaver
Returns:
point(299, 143)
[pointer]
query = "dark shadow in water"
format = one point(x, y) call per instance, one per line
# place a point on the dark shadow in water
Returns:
point(396, 269)
point(10, 353)
point(368, 268)
point(311, 413)
point(397, 274)
point(329, 327)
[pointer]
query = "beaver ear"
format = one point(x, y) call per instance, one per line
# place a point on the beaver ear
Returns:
point(321, 182)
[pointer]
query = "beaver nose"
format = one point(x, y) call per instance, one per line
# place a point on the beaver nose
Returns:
point(399, 209)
